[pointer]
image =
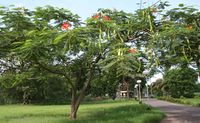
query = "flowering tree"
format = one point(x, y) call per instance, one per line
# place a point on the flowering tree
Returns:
point(54, 40)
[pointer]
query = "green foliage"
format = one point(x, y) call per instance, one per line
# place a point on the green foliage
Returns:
point(181, 82)
point(177, 42)
point(197, 89)
point(33, 87)
point(159, 88)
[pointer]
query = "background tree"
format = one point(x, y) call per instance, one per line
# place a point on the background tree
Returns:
point(160, 88)
point(177, 39)
point(33, 86)
point(181, 82)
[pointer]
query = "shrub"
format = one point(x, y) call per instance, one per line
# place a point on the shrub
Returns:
point(182, 97)
point(197, 95)
point(187, 102)
point(171, 99)
point(198, 104)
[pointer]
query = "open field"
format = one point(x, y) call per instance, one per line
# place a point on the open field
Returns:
point(120, 111)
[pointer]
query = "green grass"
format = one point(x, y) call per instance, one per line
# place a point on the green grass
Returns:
point(120, 111)
point(191, 101)
point(185, 101)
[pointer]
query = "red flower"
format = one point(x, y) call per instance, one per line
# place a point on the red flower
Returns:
point(133, 51)
point(189, 27)
point(106, 17)
point(65, 25)
point(97, 16)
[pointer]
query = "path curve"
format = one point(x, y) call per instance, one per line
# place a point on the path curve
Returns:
point(176, 113)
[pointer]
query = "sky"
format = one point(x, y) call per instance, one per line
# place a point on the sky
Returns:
point(86, 8)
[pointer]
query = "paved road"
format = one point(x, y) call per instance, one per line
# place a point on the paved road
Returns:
point(176, 113)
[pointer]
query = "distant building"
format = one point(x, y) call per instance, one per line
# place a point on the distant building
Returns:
point(124, 92)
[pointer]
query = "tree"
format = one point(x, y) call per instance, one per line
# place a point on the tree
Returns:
point(181, 82)
point(36, 45)
point(54, 41)
point(159, 88)
point(177, 39)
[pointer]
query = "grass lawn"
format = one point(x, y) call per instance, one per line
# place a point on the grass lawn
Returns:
point(191, 101)
point(120, 111)
point(185, 101)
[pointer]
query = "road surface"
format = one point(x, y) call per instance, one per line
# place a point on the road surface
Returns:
point(176, 113)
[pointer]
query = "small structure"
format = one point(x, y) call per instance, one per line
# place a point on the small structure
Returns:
point(123, 91)
point(124, 94)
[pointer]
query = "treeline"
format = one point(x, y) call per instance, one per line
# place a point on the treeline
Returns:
point(177, 83)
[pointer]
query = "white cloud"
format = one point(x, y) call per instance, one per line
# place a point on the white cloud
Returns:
point(155, 77)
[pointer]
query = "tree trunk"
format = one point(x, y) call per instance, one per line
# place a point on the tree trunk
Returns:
point(73, 103)
point(73, 114)
point(198, 67)
point(128, 91)
point(127, 87)
point(76, 99)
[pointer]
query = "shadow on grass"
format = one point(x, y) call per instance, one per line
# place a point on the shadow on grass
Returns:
point(37, 115)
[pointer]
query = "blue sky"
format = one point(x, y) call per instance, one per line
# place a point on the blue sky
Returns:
point(86, 8)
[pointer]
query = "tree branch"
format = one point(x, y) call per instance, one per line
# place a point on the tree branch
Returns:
point(54, 72)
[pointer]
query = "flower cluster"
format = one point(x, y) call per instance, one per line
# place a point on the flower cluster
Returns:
point(133, 51)
point(96, 16)
point(65, 26)
point(189, 27)
point(105, 17)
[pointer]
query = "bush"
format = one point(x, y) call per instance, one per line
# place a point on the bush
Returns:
point(198, 104)
point(168, 98)
point(90, 98)
point(197, 95)
point(171, 99)
point(187, 102)
point(182, 97)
